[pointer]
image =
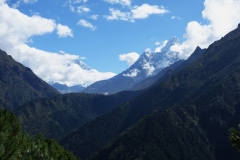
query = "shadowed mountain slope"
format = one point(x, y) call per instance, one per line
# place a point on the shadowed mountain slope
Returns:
point(200, 100)
point(18, 84)
point(59, 115)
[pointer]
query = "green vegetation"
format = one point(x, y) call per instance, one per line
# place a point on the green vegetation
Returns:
point(235, 137)
point(16, 145)
point(57, 116)
point(201, 100)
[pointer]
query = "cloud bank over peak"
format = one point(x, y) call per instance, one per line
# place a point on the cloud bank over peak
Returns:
point(222, 16)
point(16, 31)
point(130, 58)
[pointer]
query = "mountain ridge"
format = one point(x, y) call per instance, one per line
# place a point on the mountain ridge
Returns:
point(148, 64)
point(208, 91)
point(18, 84)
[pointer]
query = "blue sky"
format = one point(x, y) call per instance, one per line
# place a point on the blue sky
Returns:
point(99, 31)
point(102, 46)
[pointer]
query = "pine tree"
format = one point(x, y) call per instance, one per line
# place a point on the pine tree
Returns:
point(235, 137)
point(15, 145)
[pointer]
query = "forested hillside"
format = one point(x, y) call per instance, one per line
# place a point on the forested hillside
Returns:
point(202, 100)
point(57, 116)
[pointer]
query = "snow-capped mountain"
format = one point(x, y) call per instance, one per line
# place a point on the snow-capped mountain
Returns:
point(148, 64)
point(64, 88)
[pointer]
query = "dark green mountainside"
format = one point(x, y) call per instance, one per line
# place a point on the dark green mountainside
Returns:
point(191, 113)
point(59, 115)
point(18, 84)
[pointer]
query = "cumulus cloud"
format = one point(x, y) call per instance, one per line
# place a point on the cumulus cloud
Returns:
point(116, 14)
point(64, 31)
point(72, 6)
point(95, 17)
point(222, 16)
point(149, 68)
point(86, 24)
point(143, 11)
point(133, 73)
point(130, 58)
point(82, 9)
point(137, 12)
point(160, 45)
point(122, 2)
point(17, 28)
point(2, 1)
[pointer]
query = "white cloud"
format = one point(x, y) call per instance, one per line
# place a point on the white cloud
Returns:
point(19, 2)
point(2, 1)
point(222, 15)
point(149, 68)
point(175, 17)
point(82, 9)
point(17, 28)
point(133, 73)
point(148, 50)
point(64, 31)
point(29, 1)
point(80, 1)
point(95, 17)
point(86, 24)
point(143, 11)
point(160, 45)
point(116, 14)
point(130, 58)
point(137, 12)
point(122, 2)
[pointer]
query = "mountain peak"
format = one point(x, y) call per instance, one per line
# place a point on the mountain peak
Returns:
point(172, 41)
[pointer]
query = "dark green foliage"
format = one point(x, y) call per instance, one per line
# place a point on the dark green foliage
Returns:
point(57, 116)
point(16, 145)
point(167, 135)
point(235, 137)
point(18, 84)
point(208, 91)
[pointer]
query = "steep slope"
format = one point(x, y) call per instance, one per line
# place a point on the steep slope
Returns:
point(147, 65)
point(18, 84)
point(57, 116)
point(209, 89)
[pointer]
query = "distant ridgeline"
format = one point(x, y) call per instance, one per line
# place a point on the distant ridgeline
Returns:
point(186, 116)
point(18, 84)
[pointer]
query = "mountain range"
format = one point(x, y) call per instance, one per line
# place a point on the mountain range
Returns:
point(186, 116)
point(148, 64)
point(184, 112)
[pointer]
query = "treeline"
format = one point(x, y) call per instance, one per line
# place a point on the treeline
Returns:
point(17, 145)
